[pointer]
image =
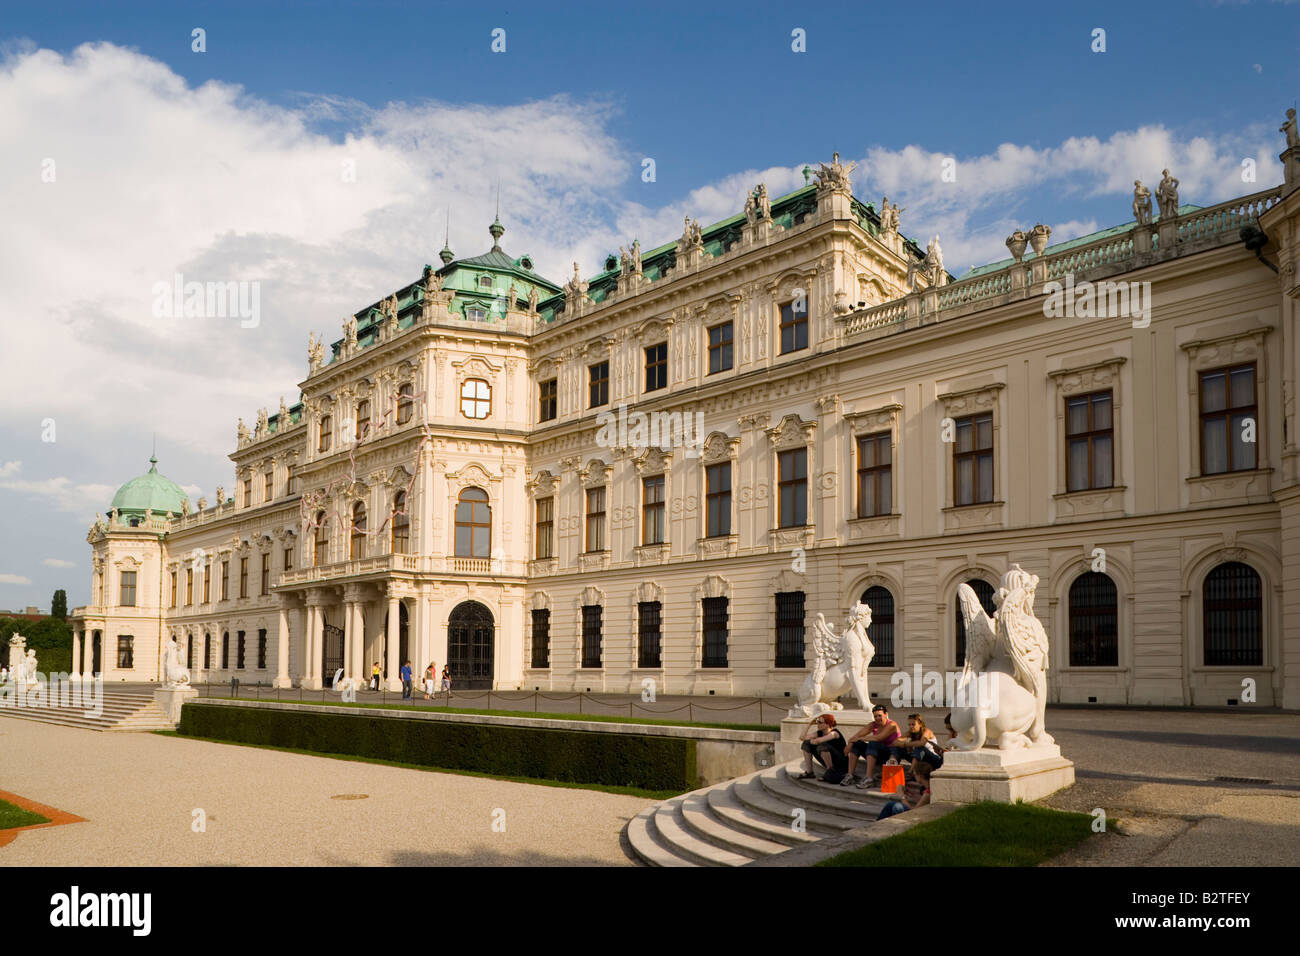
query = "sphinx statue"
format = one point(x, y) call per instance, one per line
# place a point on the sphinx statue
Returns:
point(840, 667)
point(174, 672)
point(1006, 657)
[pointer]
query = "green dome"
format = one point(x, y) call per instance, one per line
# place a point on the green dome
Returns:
point(149, 491)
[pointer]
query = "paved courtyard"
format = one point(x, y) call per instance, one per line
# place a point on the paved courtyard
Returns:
point(1154, 771)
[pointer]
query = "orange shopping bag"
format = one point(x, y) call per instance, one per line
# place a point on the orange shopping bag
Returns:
point(891, 778)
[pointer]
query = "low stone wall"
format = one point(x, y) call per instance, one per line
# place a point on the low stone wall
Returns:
point(721, 754)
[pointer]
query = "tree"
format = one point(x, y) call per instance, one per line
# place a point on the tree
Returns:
point(59, 604)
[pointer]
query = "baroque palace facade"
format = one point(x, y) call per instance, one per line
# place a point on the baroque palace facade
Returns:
point(856, 425)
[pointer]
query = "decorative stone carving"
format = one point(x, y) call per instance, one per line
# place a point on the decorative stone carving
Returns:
point(840, 666)
point(792, 432)
point(242, 436)
point(719, 447)
point(1288, 129)
point(174, 672)
point(315, 351)
point(834, 176)
point(888, 217)
point(1141, 203)
point(1167, 195)
point(934, 263)
point(575, 293)
point(1005, 669)
point(263, 427)
point(1016, 242)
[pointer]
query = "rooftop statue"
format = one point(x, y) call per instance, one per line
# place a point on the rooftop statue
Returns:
point(888, 216)
point(840, 667)
point(432, 281)
point(282, 419)
point(532, 300)
point(1167, 196)
point(575, 290)
point(241, 433)
point(764, 202)
point(350, 331)
point(1141, 203)
point(1289, 130)
point(934, 261)
point(1006, 658)
point(836, 175)
point(315, 351)
point(263, 423)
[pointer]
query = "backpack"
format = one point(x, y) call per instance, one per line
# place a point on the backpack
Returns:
point(833, 775)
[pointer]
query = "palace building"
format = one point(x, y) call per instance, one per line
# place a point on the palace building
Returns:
point(448, 486)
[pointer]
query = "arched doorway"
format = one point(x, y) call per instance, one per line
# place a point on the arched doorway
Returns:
point(471, 634)
point(331, 652)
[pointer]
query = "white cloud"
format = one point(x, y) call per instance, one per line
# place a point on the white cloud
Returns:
point(14, 579)
point(64, 494)
point(58, 563)
point(10, 468)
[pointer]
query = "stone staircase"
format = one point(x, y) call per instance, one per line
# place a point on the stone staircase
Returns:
point(741, 820)
point(122, 711)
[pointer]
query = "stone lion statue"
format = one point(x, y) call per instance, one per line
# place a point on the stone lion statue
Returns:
point(841, 665)
point(1007, 655)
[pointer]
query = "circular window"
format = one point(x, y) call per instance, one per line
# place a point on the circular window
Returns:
point(527, 263)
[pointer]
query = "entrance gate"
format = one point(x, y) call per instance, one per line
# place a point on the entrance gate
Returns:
point(331, 653)
point(470, 639)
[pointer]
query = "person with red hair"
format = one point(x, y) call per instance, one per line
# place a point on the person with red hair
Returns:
point(823, 741)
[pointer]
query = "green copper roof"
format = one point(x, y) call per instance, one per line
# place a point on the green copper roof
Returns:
point(150, 491)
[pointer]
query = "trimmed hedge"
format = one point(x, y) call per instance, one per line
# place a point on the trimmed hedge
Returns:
point(576, 756)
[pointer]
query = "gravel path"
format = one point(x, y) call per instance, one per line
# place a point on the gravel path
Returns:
point(138, 793)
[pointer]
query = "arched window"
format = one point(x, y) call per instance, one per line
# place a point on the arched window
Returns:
point(984, 591)
point(322, 539)
point(881, 631)
point(358, 545)
point(405, 402)
point(475, 398)
point(401, 525)
point(473, 524)
point(1094, 621)
point(1233, 610)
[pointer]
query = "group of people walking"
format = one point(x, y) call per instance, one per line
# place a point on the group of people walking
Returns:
point(430, 679)
point(879, 743)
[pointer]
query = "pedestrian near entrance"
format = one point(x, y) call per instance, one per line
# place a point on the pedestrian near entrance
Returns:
point(446, 677)
point(374, 676)
point(430, 677)
point(406, 681)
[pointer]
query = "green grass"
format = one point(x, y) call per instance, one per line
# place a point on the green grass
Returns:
point(12, 816)
point(980, 834)
point(623, 791)
point(605, 718)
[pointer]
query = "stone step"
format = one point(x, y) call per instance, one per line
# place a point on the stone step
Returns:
point(757, 797)
point(701, 820)
point(726, 807)
point(854, 812)
point(676, 835)
point(644, 838)
point(833, 797)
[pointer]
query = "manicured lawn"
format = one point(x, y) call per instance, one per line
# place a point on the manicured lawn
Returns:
point(981, 834)
point(12, 816)
point(605, 718)
point(625, 791)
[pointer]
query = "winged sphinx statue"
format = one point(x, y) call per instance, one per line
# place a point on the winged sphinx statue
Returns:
point(1006, 655)
point(841, 664)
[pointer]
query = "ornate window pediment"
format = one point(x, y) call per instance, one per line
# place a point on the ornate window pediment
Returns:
point(788, 285)
point(719, 447)
point(968, 400)
point(543, 484)
point(653, 330)
point(596, 473)
point(878, 419)
point(791, 432)
point(1094, 376)
point(476, 366)
point(653, 461)
point(472, 474)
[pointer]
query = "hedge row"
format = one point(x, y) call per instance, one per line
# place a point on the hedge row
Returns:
point(577, 756)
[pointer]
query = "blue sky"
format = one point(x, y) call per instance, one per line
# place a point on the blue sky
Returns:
point(224, 164)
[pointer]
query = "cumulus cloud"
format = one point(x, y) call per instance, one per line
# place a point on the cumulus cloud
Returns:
point(14, 579)
point(58, 563)
point(62, 493)
point(10, 468)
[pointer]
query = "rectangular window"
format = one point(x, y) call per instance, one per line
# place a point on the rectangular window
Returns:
point(717, 499)
point(545, 527)
point(1228, 414)
point(793, 488)
point(789, 629)
point(405, 402)
point(363, 419)
point(243, 577)
point(225, 580)
point(794, 326)
point(720, 348)
point(173, 588)
point(288, 559)
point(125, 651)
point(972, 460)
point(266, 573)
point(649, 638)
point(207, 582)
point(291, 483)
point(656, 367)
point(652, 510)
point(875, 475)
point(248, 492)
point(268, 486)
point(591, 620)
point(599, 377)
point(189, 586)
point(261, 649)
point(548, 400)
point(541, 637)
point(239, 650)
point(225, 650)
point(596, 519)
point(715, 632)
point(326, 426)
point(1089, 442)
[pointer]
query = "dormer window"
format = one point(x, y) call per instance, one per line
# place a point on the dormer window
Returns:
point(476, 314)
point(485, 282)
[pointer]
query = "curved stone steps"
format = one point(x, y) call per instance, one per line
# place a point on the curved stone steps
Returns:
point(678, 836)
point(726, 807)
point(120, 712)
point(831, 797)
point(645, 841)
point(755, 795)
point(702, 821)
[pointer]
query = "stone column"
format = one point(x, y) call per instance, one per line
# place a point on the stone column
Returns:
point(349, 636)
point(416, 644)
point(282, 646)
point(76, 656)
point(315, 638)
point(394, 639)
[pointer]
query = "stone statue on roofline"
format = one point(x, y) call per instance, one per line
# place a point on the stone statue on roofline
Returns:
point(1167, 196)
point(934, 262)
point(1141, 203)
point(282, 419)
point(1288, 129)
point(532, 301)
point(764, 203)
point(350, 331)
point(242, 436)
point(263, 423)
point(888, 217)
point(836, 175)
point(315, 351)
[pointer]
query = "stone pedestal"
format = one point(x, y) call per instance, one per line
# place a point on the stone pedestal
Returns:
point(789, 747)
point(170, 699)
point(1027, 773)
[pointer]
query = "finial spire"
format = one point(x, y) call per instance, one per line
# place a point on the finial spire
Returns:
point(153, 457)
point(447, 255)
point(496, 228)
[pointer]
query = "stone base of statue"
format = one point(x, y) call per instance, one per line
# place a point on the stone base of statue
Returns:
point(1026, 773)
point(170, 699)
point(789, 747)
